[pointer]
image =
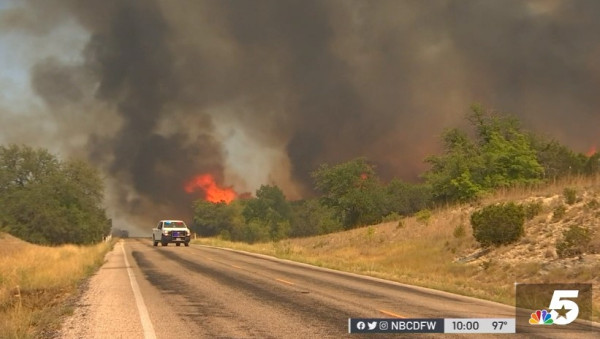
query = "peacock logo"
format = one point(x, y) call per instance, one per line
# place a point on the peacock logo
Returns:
point(541, 317)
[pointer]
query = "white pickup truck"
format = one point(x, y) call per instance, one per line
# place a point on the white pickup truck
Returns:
point(171, 231)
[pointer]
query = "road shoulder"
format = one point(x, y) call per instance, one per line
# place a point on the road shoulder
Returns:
point(107, 307)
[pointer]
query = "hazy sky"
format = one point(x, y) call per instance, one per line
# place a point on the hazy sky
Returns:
point(262, 92)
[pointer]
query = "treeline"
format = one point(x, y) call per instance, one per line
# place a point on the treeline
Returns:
point(499, 154)
point(47, 201)
point(496, 152)
point(353, 195)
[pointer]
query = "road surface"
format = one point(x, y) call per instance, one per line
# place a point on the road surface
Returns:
point(202, 292)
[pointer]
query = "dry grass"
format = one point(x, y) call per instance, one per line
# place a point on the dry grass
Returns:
point(426, 255)
point(35, 281)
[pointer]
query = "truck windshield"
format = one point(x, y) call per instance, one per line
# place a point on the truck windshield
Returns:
point(174, 224)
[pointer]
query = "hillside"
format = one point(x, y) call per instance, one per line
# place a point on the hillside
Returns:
point(438, 250)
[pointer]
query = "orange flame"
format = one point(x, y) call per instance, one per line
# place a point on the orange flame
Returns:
point(591, 152)
point(212, 192)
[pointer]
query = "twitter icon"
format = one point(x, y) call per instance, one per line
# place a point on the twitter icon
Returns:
point(372, 325)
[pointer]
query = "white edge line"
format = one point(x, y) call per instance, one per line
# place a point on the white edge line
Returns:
point(139, 301)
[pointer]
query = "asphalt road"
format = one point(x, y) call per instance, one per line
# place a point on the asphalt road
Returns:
point(201, 292)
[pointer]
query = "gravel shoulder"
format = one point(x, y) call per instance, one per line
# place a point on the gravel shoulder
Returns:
point(107, 308)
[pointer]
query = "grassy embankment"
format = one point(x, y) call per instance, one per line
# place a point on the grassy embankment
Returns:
point(37, 281)
point(424, 250)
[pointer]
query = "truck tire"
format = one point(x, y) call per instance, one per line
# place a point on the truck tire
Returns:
point(164, 243)
point(187, 244)
point(154, 241)
point(177, 244)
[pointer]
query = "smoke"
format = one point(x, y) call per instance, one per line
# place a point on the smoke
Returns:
point(262, 92)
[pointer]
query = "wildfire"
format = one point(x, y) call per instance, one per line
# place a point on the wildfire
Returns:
point(592, 151)
point(212, 191)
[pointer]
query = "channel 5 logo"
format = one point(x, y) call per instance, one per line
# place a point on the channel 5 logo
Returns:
point(541, 305)
point(563, 311)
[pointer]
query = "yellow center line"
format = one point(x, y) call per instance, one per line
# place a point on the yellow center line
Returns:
point(391, 314)
point(284, 281)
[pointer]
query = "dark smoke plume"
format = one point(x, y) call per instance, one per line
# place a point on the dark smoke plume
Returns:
point(212, 86)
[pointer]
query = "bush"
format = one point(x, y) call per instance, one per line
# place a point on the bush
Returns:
point(459, 231)
point(393, 216)
point(225, 235)
point(559, 212)
point(498, 224)
point(309, 218)
point(575, 242)
point(370, 233)
point(532, 209)
point(593, 204)
point(423, 216)
point(570, 195)
point(256, 231)
point(400, 224)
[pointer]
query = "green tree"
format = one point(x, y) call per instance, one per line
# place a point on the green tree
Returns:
point(353, 190)
point(21, 166)
point(592, 164)
point(43, 200)
point(271, 210)
point(256, 231)
point(509, 160)
point(212, 219)
point(457, 174)
point(406, 198)
point(556, 159)
point(500, 155)
point(310, 217)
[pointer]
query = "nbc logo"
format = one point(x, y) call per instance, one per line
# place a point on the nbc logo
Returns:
point(563, 311)
point(541, 318)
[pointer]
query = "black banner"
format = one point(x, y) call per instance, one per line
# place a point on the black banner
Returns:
point(394, 325)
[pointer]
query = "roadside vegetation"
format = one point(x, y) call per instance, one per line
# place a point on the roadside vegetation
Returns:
point(36, 283)
point(47, 201)
point(444, 254)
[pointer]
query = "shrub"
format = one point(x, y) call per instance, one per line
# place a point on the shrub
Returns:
point(256, 231)
point(532, 209)
point(393, 216)
point(559, 212)
point(423, 216)
point(593, 204)
point(400, 224)
point(498, 224)
point(575, 241)
point(570, 195)
point(459, 231)
point(225, 235)
point(370, 233)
